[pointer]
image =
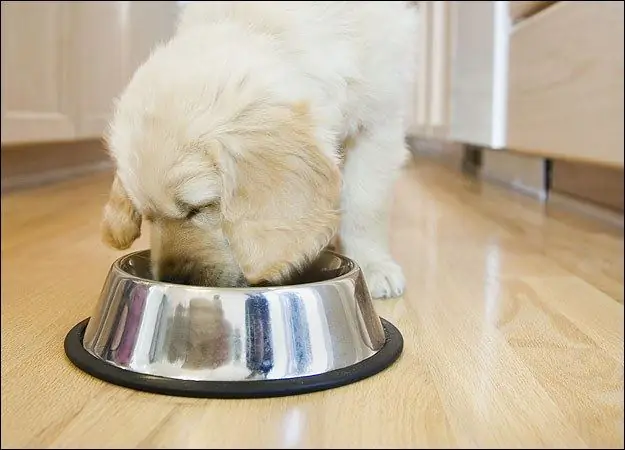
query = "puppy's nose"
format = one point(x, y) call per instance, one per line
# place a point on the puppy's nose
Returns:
point(177, 272)
point(175, 278)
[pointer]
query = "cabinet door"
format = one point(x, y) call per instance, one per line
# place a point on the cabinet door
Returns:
point(37, 100)
point(149, 23)
point(479, 72)
point(98, 49)
point(429, 115)
point(112, 40)
point(566, 83)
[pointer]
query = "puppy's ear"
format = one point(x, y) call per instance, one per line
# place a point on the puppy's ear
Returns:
point(121, 223)
point(280, 194)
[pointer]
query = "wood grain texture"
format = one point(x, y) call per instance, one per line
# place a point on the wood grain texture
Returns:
point(566, 83)
point(513, 325)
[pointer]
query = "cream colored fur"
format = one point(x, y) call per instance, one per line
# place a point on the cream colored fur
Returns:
point(228, 140)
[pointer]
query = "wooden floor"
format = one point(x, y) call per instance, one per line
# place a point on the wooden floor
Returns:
point(513, 322)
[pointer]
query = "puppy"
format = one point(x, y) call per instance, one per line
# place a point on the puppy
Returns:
point(258, 133)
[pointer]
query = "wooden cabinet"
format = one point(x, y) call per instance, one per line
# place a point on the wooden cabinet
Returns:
point(430, 108)
point(520, 10)
point(38, 98)
point(478, 73)
point(461, 82)
point(540, 77)
point(98, 64)
point(63, 63)
point(140, 39)
point(566, 83)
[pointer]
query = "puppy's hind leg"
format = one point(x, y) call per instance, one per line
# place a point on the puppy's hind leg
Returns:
point(370, 171)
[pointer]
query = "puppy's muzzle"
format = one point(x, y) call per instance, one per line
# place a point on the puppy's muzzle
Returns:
point(190, 272)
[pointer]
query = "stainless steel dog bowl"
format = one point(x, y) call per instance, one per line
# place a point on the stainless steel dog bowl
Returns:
point(193, 341)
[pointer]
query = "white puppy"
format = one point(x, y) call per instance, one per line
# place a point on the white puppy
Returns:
point(259, 132)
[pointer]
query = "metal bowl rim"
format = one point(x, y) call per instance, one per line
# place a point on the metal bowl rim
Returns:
point(116, 267)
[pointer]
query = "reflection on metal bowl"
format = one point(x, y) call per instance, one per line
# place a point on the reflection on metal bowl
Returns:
point(318, 333)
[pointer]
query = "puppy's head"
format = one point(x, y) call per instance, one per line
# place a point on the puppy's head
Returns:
point(233, 184)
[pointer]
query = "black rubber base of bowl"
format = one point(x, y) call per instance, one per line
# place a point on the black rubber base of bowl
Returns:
point(98, 368)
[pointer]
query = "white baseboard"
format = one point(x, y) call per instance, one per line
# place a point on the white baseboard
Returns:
point(40, 179)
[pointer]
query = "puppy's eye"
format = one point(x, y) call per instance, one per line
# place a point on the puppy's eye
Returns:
point(195, 210)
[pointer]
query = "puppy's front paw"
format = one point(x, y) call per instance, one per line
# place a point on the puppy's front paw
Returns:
point(384, 278)
point(119, 229)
